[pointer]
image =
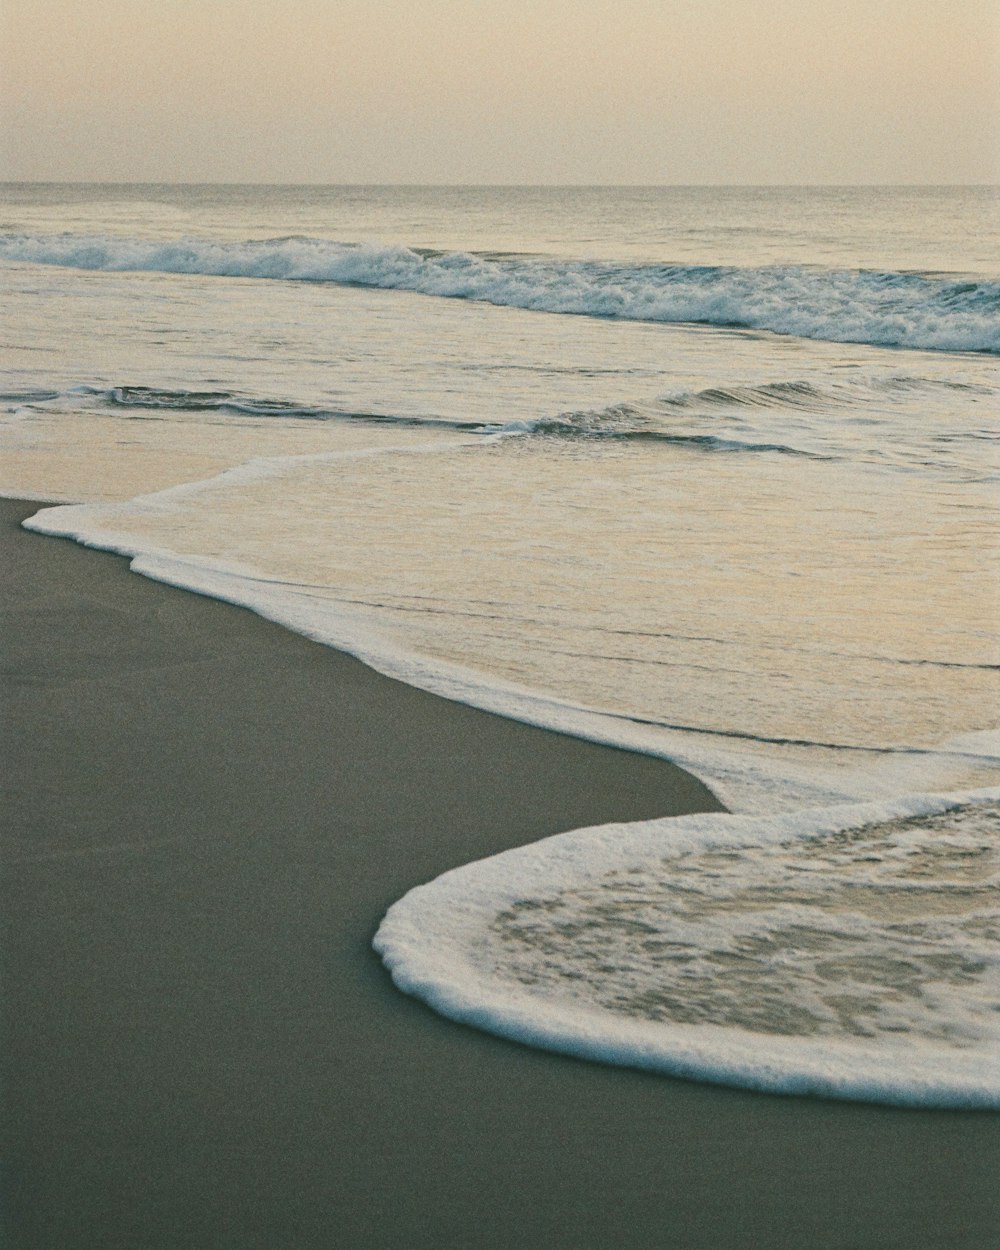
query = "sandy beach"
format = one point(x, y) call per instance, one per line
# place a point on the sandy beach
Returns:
point(206, 818)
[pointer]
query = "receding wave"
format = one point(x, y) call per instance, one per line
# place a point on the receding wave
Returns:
point(885, 308)
point(849, 952)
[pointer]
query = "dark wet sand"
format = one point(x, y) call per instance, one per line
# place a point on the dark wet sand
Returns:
point(206, 819)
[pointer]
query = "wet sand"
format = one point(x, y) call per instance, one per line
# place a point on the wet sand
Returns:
point(206, 817)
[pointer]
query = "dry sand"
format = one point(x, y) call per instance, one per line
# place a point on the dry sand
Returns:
point(206, 818)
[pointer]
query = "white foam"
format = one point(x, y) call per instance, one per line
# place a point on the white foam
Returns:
point(742, 779)
point(842, 305)
point(502, 944)
point(745, 774)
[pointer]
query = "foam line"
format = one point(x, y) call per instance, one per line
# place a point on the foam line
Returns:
point(885, 308)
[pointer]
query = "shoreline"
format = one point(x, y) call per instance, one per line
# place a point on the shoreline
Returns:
point(209, 816)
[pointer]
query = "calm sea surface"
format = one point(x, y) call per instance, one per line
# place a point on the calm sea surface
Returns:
point(712, 473)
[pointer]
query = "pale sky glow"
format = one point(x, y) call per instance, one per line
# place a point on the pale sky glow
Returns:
point(494, 91)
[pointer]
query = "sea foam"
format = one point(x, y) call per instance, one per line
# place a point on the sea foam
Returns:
point(886, 308)
point(849, 952)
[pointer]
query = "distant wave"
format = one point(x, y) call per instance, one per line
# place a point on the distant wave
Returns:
point(682, 419)
point(749, 419)
point(623, 421)
point(885, 308)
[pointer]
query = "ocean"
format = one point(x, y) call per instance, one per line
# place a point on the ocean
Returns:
point(709, 473)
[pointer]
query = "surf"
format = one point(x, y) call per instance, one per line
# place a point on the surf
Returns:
point(942, 312)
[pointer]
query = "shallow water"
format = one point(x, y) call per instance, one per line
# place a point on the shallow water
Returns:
point(883, 929)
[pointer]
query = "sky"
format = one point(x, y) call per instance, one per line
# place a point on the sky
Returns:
point(501, 91)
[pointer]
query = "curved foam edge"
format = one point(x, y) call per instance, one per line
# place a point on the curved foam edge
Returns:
point(326, 620)
point(426, 937)
point(739, 783)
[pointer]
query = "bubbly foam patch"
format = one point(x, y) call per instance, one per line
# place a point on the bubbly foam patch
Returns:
point(849, 952)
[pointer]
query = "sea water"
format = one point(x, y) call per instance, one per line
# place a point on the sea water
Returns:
point(709, 473)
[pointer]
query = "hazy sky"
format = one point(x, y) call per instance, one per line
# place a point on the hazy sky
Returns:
point(531, 91)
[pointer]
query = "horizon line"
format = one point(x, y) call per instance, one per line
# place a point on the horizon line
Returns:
point(490, 186)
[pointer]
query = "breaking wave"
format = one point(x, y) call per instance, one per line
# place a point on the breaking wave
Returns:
point(886, 308)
